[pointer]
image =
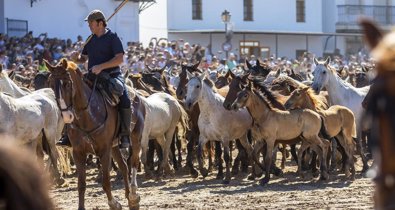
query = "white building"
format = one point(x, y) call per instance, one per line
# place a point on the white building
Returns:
point(280, 27)
point(65, 18)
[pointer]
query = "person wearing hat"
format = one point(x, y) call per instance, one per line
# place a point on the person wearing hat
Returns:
point(104, 53)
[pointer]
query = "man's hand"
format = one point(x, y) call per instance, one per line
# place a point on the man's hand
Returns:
point(74, 56)
point(97, 69)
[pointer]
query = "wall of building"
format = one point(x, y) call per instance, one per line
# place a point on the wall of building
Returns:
point(153, 21)
point(270, 15)
point(65, 19)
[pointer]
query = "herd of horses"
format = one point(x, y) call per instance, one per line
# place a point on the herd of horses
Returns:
point(261, 110)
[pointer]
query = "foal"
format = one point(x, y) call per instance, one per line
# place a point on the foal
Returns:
point(269, 125)
point(339, 121)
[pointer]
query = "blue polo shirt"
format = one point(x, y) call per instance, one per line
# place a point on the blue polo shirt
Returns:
point(102, 49)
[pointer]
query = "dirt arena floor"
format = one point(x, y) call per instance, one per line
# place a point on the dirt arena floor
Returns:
point(180, 191)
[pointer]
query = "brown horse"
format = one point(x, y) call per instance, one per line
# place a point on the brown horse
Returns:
point(268, 126)
point(93, 128)
point(339, 121)
point(22, 184)
point(380, 103)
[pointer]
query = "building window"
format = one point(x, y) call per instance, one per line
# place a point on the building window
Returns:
point(248, 48)
point(196, 9)
point(248, 12)
point(300, 11)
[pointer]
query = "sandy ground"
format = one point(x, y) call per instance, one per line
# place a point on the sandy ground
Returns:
point(180, 191)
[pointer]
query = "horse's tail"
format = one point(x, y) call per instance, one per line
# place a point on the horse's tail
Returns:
point(184, 119)
point(59, 155)
point(323, 130)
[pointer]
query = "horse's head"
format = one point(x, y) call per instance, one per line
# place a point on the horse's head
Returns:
point(242, 96)
point(235, 86)
point(297, 98)
point(257, 70)
point(194, 89)
point(60, 81)
point(184, 80)
point(321, 74)
point(223, 81)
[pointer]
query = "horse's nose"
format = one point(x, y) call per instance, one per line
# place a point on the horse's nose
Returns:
point(227, 105)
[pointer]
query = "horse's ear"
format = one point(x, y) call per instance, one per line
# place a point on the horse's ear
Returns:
point(162, 69)
point(127, 73)
point(248, 64)
point(258, 62)
point(189, 75)
point(315, 61)
point(364, 69)
point(372, 33)
point(249, 86)
point(48, 65)
point(11, 74)
point(278, 73)
point(64, 64)
point(196, 65)
point(327, 61)
point(227, 74)
point(202, 76)
point(305, 88)
point(231, 74)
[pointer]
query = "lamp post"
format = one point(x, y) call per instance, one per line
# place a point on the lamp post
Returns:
point(227, 46)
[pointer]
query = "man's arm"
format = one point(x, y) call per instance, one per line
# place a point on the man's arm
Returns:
point(114, 62)
point(78, 58)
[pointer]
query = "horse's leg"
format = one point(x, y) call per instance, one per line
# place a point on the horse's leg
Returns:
point(179, 148)
point(150, 154)
point(134, 198)
point(293, 152)
point(227, 161)
point(323, 149)
point(245, 149)
point(173, 152)
point(80, 163)
point(218, 157)
point(283, 155)
point(209, 147)
point(268, 160)
point(236, 162)
point(125, 174)
point(48, 138)
point(302, 148)
point(144, 147)
point(167, 143)
point(333, 160)
point(255, 156)
point(161, 166)
point(202, 142)
point(192, 136)
point(105, 159)
point(360, 152)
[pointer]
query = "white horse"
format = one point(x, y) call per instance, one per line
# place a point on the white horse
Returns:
point(215, 122)
point(341, 93)
point(163, 113)
point(9, 86)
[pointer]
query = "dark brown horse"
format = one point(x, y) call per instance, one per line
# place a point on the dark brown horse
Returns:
point(22, 184)
point(380, 103)
point(93, 129)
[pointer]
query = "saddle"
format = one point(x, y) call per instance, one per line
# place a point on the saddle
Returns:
point(110, 88)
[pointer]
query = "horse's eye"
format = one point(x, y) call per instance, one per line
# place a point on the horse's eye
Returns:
point(324, 72)
point(198, 86)
point(245, 96)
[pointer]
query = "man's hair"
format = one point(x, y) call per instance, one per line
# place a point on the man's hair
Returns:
point(102, 20)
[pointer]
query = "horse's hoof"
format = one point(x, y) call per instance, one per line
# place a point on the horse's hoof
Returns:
point(226, 181)
point(114, 205)
point(235, 171)
point(251, 177)
point(278, 172)
point(204, 172)
point(316, 174)
point(60, 182)
point(263, 181)
point(194, 174)
point(220, 176)
point(134, 201)
point(324, 176)
point(81, 208)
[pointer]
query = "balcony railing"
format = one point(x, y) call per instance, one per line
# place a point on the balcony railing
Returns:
point(348, 15)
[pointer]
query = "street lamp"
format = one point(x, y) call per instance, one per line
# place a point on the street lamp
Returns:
point(227, 46)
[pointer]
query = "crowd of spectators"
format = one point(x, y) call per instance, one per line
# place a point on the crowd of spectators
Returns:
point(25, 55)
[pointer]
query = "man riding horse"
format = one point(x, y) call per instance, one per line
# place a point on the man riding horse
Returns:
point(104, 53)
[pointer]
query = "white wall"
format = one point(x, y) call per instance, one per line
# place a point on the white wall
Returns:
point(153, 22)
point(65, 19)
point(273, 15)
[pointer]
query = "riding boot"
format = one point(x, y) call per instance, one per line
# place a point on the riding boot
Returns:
point(64, 141)
point(126, 115)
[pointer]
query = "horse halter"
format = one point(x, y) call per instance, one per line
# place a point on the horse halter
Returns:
point(67, 114)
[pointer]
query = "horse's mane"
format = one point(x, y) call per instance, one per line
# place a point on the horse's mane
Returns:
point(318, 104)
point(284, 79)
point(270, 97)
